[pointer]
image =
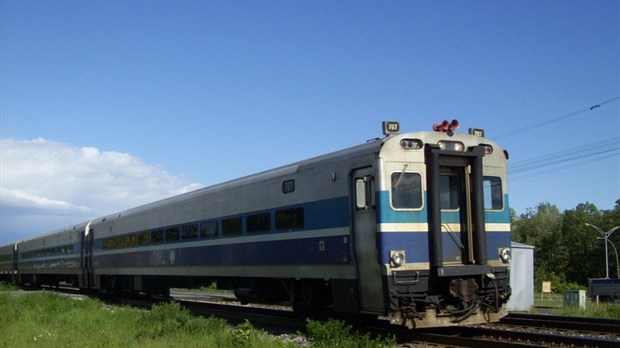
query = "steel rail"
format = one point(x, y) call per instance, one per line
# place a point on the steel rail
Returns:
point(563, 322)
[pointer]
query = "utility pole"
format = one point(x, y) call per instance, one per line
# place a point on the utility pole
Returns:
point(605, 237)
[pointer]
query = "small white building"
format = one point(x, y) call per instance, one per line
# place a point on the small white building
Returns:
point(521, 277)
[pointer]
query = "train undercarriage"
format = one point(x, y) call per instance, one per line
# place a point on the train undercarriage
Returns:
point(419, 300)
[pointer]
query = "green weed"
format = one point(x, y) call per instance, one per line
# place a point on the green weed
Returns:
point(335, 333)
point(606, 310)
point(8, 287)
point(46, 319)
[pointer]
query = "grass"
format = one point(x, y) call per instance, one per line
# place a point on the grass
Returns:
point(46, 319)
point(335, 333)
point(556, 302)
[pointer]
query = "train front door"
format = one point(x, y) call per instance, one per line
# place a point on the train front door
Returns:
point(455, 215)
point(364, 241)
point(455, 208)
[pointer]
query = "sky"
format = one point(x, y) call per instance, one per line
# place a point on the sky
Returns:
point(107, 105)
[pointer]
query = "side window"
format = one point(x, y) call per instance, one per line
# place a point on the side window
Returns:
point(157, 236)
point(189, 231)
point(288, 186)
point(258, 223)
point(208, 230)
point(132, 240)
point(406, 190)
point(108, 244)
point(119, 242)
point(289, 219)
point(493, 195)
point(449, 192)
point(143, 238)
point(232, 227)
point(172, 234)
point(364, 193)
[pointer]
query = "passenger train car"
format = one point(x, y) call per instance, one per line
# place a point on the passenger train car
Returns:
point(412, 226)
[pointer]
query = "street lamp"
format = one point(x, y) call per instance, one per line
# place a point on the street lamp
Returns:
point(617, 262)
point(605, 236)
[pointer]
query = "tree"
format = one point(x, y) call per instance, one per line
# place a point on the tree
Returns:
point(532, 226)
point(581, 248)
point(541, 228)
point(566, 250)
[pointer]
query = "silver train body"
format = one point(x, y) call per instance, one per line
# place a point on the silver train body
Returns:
point(413, 227)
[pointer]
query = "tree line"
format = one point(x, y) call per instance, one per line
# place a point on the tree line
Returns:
point(567, 251)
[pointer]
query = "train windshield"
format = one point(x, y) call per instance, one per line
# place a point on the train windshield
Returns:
point(406, 190)
point(451, 186)
point(493, 195)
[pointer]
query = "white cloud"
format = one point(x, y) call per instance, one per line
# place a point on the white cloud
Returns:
point(26, 201)
point(46, 185)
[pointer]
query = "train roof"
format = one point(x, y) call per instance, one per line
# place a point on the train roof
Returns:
point(372, 146)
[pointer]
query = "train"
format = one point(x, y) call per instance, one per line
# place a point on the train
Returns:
point(411, 227)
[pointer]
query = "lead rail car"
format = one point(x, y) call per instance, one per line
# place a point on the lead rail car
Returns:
point(413, 227)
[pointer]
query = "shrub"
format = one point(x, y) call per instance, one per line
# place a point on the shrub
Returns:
point(335, 333)
point(164, 319)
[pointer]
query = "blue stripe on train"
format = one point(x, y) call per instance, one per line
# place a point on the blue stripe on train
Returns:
point(320, 250)
point(388, 215)
point(51, 263)
point(324, 214)
point(415, 245)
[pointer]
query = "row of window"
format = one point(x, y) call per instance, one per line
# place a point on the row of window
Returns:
point(283, 220)
point(407, 191)
point(60, 250)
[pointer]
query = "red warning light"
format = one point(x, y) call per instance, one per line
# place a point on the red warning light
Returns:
point(446, 126)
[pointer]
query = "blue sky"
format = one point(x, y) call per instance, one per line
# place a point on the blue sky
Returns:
point(193, 93)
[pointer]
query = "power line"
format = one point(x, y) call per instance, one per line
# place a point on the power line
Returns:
point(572, 165)
point(583, 154)
point(556, 119)
point(571, 154)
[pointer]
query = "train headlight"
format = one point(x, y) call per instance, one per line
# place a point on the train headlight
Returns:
point(451, 145)
point(411, 144)
point(504, 255)
point(488, 149)
point(397, 258)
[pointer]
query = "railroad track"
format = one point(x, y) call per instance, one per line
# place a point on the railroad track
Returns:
point(523, 330)
point(580, 324)
point(515, 330)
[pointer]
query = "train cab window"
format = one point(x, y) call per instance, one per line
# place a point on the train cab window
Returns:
point(493, 196)
point(232, 226)
point(172, 234)
point(157, 236)
point(289, 219)
point(189, 231)
point(406, 190)
point(257, 223)
point(364, 193)
point(449, 188)
point(144, 238)
point(208, 230)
